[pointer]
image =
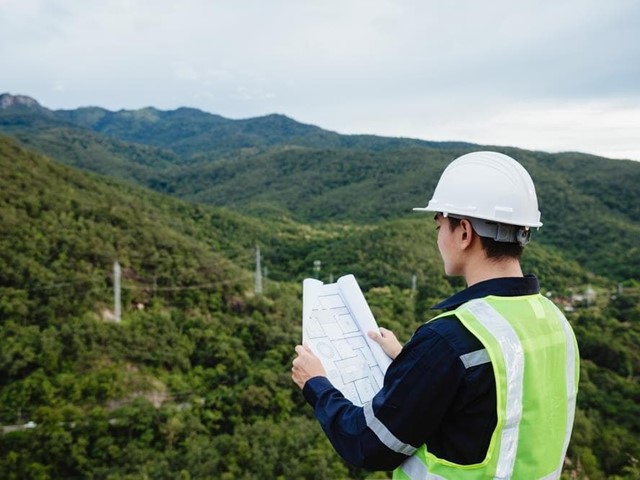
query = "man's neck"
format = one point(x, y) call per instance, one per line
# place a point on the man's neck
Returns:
point(487, 269)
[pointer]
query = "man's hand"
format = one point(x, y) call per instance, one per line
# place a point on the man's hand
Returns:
point(305, 366)
point(388, 341)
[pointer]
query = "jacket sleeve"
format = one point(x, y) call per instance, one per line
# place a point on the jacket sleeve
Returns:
point(418, 388)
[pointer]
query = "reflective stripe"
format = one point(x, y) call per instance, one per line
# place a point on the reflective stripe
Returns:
point(553, 475)
point(572, 390)
point(473, 359)
point(383, 433)
point(513, 355)
point(415, 469)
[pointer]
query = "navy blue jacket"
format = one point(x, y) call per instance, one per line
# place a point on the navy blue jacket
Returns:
point(430, 395)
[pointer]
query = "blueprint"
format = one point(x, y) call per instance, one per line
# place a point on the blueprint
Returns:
point(335, 322)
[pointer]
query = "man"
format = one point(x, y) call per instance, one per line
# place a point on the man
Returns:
point(487, 389)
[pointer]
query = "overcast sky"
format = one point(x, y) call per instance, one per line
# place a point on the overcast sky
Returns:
point(552, 75)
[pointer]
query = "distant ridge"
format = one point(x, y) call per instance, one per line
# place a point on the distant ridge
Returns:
point(189, 131)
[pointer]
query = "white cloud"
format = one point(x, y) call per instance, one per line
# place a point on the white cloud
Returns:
point(495, 71)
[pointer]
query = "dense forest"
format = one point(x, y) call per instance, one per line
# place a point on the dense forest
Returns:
point(194, 381)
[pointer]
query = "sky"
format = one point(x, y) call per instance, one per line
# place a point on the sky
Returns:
point(550, 75)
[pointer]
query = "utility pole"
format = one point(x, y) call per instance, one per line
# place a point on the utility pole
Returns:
point(317, 265)
point(414, 282)
point(258, 287)
point(117, 302)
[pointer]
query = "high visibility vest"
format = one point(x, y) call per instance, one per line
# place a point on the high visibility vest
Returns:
point(535, 361)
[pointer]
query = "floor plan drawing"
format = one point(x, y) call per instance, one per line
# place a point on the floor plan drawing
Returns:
point(336, 319)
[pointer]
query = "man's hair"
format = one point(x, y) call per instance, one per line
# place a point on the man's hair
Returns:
point(493, 249)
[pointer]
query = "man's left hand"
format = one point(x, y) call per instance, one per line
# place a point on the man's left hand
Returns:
point(305, 366)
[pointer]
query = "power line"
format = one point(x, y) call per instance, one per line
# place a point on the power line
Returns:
point(55, 285)
point(178, 288)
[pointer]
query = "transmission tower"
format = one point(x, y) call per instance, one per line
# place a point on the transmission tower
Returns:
point(258, 272)
point(117, 302)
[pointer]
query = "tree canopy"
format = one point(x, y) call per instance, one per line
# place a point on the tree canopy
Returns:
point(194, 381)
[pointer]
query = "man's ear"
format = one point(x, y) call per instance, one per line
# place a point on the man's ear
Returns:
point(466, 233)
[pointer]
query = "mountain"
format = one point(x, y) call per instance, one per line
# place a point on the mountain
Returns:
point(273, 166)
point(194, 382)
point(189, 131)
point(38, 128)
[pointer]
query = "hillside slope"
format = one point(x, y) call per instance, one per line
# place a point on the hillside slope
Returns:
point(194, 381)
point(78, 147)
point(192, 373)
point(589, 204)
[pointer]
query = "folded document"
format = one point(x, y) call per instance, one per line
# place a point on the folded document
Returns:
point(335, 322)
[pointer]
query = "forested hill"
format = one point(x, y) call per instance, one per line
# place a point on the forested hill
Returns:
point(65, 226)
point(194, 382)
point(274, 167)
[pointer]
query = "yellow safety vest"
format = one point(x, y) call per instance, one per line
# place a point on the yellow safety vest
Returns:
point(535, 360)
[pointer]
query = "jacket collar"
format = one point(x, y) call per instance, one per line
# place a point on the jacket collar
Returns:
point(501, 287)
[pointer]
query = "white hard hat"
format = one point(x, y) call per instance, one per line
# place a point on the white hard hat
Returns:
point(488, 186)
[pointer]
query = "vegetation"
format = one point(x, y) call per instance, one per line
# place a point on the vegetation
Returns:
point(194, 382)
point(274, 167)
